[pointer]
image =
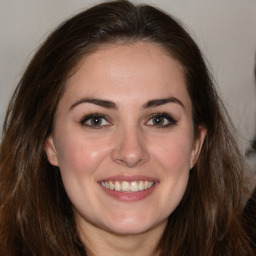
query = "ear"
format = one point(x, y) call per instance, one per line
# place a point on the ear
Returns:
point(197, 145)
point(50, 150)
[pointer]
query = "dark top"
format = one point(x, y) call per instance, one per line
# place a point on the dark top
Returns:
point(249, 218)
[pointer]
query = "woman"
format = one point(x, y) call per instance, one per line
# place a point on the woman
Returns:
point(116, 143)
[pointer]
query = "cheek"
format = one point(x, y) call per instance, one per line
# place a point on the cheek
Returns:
point(173, 158)
point(77, 156)
point(174, 153)
point(79, 162)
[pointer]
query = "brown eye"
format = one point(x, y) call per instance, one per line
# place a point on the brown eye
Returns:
point(94, 121)
point(161, 120)
point(158, 120)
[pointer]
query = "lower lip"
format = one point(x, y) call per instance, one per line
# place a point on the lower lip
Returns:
point(130, 196)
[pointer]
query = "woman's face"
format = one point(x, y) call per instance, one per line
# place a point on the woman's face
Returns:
point(123, 138)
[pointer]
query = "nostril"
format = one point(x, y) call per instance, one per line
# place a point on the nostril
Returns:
point(130, 159)
point(130, 149)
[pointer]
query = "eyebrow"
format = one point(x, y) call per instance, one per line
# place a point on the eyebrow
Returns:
point(159, 102)
point(111, 105)
point(98, 102)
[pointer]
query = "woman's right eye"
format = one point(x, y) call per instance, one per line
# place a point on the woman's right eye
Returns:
point(95, 121)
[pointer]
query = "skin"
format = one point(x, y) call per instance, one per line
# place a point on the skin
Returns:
point(128, 142)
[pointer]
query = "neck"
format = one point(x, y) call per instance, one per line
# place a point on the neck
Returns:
point(99, 242)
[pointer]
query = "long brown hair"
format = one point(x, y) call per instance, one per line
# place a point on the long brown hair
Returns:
point(36, 216)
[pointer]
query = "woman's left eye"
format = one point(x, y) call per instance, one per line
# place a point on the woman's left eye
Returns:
point(94, 121)
point(161, 120)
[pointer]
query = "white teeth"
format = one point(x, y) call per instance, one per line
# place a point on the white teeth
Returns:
point(126, 186)
point(141, 185)
point(134, 186)
point(111, 185)
point(117, 186)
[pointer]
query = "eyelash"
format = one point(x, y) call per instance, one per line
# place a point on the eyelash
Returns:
point(90, 118)
point(171, 121)
point(163, 116)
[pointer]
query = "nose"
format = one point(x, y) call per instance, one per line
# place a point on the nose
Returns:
point(130, 149)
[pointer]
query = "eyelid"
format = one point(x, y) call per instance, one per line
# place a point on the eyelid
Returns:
point(86, 118)
point(172, 121)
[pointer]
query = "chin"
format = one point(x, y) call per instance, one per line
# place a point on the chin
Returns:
point(128, 229)
point(132, 226)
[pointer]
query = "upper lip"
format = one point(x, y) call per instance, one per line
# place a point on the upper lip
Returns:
point(129, 178)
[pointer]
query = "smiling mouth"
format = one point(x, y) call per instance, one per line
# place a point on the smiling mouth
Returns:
point(127, 187)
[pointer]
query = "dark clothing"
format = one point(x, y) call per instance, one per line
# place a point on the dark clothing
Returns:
point(249, 218)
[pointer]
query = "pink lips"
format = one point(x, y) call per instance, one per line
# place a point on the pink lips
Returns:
point(129, 196)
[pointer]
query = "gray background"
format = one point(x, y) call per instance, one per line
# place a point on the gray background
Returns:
point(224, 29)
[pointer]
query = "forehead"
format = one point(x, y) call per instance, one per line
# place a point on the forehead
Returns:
point(137, 70)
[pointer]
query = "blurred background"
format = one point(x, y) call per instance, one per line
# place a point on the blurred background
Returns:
point(225, 31)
